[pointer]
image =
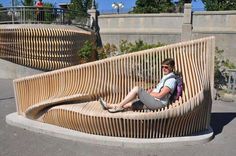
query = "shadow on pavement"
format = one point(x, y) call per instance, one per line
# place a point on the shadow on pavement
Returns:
point(219, 120)
point(7, 98)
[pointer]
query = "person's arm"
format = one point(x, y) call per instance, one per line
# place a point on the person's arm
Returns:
point(164, 91)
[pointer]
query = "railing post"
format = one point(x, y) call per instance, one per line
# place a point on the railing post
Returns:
point(187, 23)
point(232, 81)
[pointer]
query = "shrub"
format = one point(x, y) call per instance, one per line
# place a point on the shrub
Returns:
point(221, 66)
point(128, 47)
point(87, 50)
point(107, 50)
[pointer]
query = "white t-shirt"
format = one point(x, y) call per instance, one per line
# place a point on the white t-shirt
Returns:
point(170, 83)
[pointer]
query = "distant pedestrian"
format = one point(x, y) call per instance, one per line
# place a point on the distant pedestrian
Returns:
point(40, 12)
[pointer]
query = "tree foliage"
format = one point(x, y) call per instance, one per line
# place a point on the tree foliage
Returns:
point(28, 2)
point(218, 5)
point(221, 66)
point(80, 7)
point(153, 6)
point(129, 47)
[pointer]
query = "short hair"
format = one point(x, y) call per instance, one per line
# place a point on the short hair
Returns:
point(169, 61)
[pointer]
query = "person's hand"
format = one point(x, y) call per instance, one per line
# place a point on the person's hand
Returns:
point(149, 90)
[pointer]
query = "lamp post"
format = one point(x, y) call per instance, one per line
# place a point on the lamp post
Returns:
point(117, 6)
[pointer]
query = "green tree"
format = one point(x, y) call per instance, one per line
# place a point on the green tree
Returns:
point(154, 6)
point(27, 2)
point(48, 11)
point(3, 14)
point(80, 7)
point(218, 5)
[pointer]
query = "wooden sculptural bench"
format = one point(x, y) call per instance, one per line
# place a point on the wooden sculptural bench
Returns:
point(44, 47)
point(69, 97)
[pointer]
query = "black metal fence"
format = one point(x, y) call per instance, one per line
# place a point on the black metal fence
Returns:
point(44, 15)
point(232, 80)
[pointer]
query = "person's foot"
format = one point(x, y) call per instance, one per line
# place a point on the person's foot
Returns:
point(116, 109)
point(103, 104)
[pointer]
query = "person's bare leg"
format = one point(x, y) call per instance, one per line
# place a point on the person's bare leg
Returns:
point(128, 100)
point(127, 105)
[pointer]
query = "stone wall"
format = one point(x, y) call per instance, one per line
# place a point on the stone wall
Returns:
point(152, 28)
point(172, 28)
point(222, 25)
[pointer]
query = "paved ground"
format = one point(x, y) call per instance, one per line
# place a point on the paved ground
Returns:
point(19, 142)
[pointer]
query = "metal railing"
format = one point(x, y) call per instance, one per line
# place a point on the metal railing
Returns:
point(231, 80)
point(44, 15)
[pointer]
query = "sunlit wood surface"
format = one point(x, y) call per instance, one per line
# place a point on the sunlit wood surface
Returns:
point(44, 47)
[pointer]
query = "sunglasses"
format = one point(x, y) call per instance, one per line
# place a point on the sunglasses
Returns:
point(164, 67)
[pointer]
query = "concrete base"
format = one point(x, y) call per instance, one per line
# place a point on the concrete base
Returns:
point(19, 121)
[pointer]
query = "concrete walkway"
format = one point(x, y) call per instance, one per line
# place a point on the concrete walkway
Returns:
point(19, 142)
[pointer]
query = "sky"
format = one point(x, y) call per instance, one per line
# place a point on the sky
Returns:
point(105, 5)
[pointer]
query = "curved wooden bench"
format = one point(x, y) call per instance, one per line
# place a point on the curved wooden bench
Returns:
point(68, 97)
point(45, 47)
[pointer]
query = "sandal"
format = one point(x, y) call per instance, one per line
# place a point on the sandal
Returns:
point(116, 109)
point(103, 104)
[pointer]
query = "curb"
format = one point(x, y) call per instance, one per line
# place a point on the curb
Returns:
point(20, 121)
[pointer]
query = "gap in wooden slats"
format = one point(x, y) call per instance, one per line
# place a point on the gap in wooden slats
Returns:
point(105, 130)
point(190, 123)
point(185, 125)
point(168, 127)
point(93, 128)
point(174, 126)
point(86, 75)
point(146, 70)
point(118, 127)
point(191, 76)
point(180, 125)
point(182, 67)
point(151, 128)
point(196, 68)
point(140, 74)
point(110, 78)
point(112, 82)
point(74, 122)
point(160, 126)
point(125, 78)
point(97, 80)
point(120, 80)
point(109, 126)
point(86, 111)
point(84, 80)
point(86, 121)
point(89, 78)
point(115, 128)
point(65, 118)
point(83, 126)
point(73, 82)
point(98, 124)
point(198, 120)
point(116, 87)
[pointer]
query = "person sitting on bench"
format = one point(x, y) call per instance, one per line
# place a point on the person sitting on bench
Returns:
point(151, 99)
